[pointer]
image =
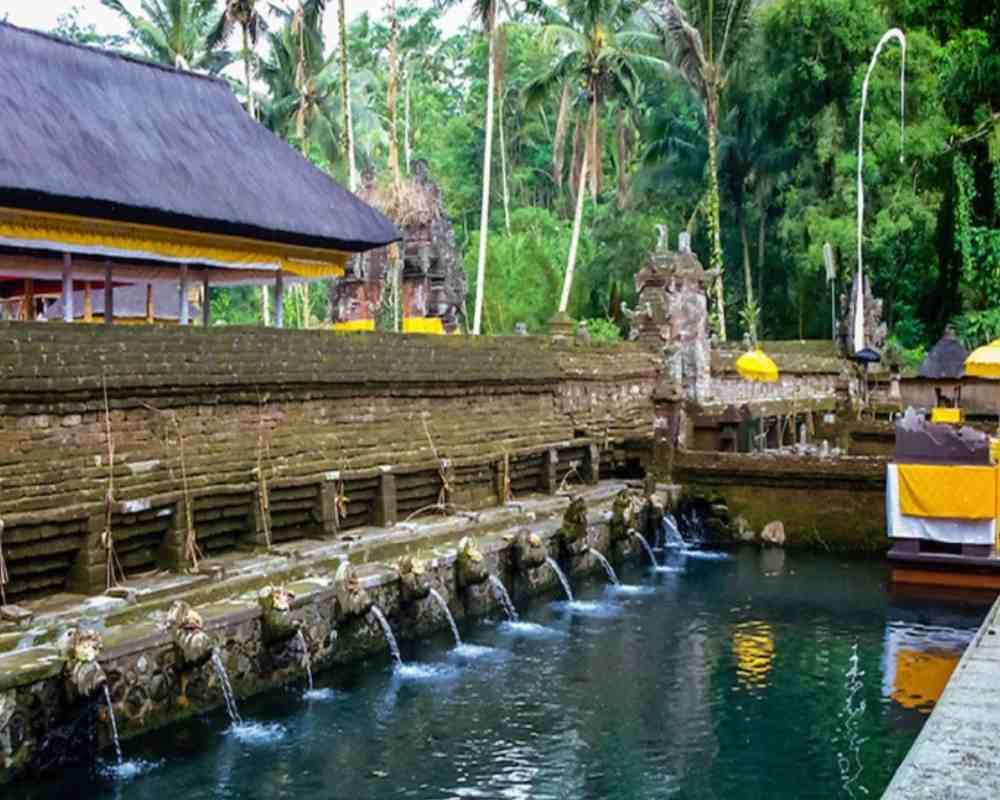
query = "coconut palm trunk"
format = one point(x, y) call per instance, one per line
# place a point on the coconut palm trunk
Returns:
point(484, 215)
point(503, 166)
point(247, 69)
point(581, 193)
point(714, 226)
point(345, 97)
point(392, 93)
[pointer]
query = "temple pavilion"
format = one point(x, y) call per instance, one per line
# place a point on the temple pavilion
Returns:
point(119, 172)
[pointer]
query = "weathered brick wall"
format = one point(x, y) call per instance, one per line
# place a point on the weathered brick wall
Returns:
point(197, 415)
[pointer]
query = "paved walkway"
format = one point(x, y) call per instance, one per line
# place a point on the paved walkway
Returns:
point(957, 754)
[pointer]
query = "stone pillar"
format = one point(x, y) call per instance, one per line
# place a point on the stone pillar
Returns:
point(109, 295)
point(172, 549)
point(67, 287)
point(328, 503)
point(88, 573)
point(549, 483)
point(385, 500)
point(592, 464)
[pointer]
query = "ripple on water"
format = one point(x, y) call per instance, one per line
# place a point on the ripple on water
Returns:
point(707, 555)
point(319, 695)
point(632, 590)
point(257, 732)
point(128, 770)
point(473, 651)
point(530, 630)
point(589, 608)
point(425, 672)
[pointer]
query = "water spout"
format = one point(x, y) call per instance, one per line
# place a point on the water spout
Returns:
point(612, 576)
point(389, 638)
point(114, 724)
point(562, 577)
point(672, 534)
point(858, 333)
point(645, 546)
point(447, 612)
point(227, 689)
point(504, 597)
point(306, 657)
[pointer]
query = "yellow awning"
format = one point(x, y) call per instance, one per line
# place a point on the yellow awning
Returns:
point(984, 362)
point(65, 233)
point(756, 366)
point(948, 491)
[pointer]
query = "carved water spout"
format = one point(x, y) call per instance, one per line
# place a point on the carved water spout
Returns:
point(470, 564)
point(353, 599)
point(572, 533)
point(188, 631)
point(529, 551)
point(414, 583)
point(277, 624)
point(84, 674)
point(626, 510)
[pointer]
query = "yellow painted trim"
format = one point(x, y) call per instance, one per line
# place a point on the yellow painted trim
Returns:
point(431, 325)
point(950, 415)
point(171, 243)
point(355, 325)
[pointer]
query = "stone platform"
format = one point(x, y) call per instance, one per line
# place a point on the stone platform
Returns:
point(956, 755)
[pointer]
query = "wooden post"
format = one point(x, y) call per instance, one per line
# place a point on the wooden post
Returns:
point(109, 295)
point(183, 313)
point(206, 303)
point(88, 303)
point(28, 303)
point(149, 304)
point(385, 511)
point(279, 300)
point(67, 287)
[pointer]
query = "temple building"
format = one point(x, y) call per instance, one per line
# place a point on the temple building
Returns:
point(118, 171)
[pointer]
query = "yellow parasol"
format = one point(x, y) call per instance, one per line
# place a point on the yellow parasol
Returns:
point(984, 362)
point(754, 365)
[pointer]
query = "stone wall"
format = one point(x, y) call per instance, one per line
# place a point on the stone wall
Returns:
point(260, 435)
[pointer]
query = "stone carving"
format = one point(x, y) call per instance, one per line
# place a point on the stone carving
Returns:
point(774, 534)
point(188, 631)
point(875, 329)
point(8, 704)
point(81, 648)
point(353, 599)
point(625, 515)
point(572, 533)
point(529, 550)
point(277, 623)
point(662, 238)
point(414, 584)
point(470, 564)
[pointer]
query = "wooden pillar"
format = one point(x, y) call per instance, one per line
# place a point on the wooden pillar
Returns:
point(28, 303)
point(88, 303)
point(549, 480)
point(109, 295)
point(67, 287)
point(149, 304)
point(279, 300)
point(184, 312)
point(206, 303)
point(385, 511)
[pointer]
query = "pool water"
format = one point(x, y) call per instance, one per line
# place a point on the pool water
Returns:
point(762, 675)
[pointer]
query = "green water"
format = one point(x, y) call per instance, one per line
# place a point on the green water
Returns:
point(767, 675)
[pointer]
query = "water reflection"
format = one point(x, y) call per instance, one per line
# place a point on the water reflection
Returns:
point(919, 660)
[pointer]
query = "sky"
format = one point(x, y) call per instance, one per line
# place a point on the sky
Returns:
point(42, 14)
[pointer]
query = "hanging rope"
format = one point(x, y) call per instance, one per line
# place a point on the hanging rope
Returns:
point(507, 493)
point(444, 496)
point(4, 577)
point(113, 568)
point(339, 504)
point(263, 493)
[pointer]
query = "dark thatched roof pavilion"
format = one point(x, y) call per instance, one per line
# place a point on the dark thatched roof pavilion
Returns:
point(91, 133)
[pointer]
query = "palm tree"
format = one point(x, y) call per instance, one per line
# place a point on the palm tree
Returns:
point(601, 50)
point(175, 32)
point(246, 15)
point(486, 11)
point(392, 92)
point(703, 46)
point(345, 99)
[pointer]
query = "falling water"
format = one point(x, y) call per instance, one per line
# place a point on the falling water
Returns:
point(306, 658)
point(858, 336)
point(447, 612)
point(607, 566)
point(504, 598)
point(227, 689)
point(562, 577)
point(389, 638)
point(672, 534)
point(114, 724)
point(645, 546)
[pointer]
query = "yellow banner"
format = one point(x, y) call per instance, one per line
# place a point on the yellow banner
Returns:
point(950, 492)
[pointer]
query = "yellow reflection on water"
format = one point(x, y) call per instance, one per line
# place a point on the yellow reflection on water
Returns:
point(753, 646)
point(921, 676)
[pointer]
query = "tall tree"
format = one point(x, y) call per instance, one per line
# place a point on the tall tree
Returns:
point(392, 93)
point(246, 15)
point(176, 32)
point(345, 98)
point(486, 10)
point(703, 45)
point(600, 49)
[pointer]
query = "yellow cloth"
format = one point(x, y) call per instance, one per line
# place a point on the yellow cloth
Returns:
point(423, 325)
point(984, 362)
point(952, 415)
point(756, 366)
point(355, 325)
point(948, 492)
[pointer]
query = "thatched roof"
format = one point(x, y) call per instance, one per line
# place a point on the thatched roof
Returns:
point(945, 361)
point(92, 133)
